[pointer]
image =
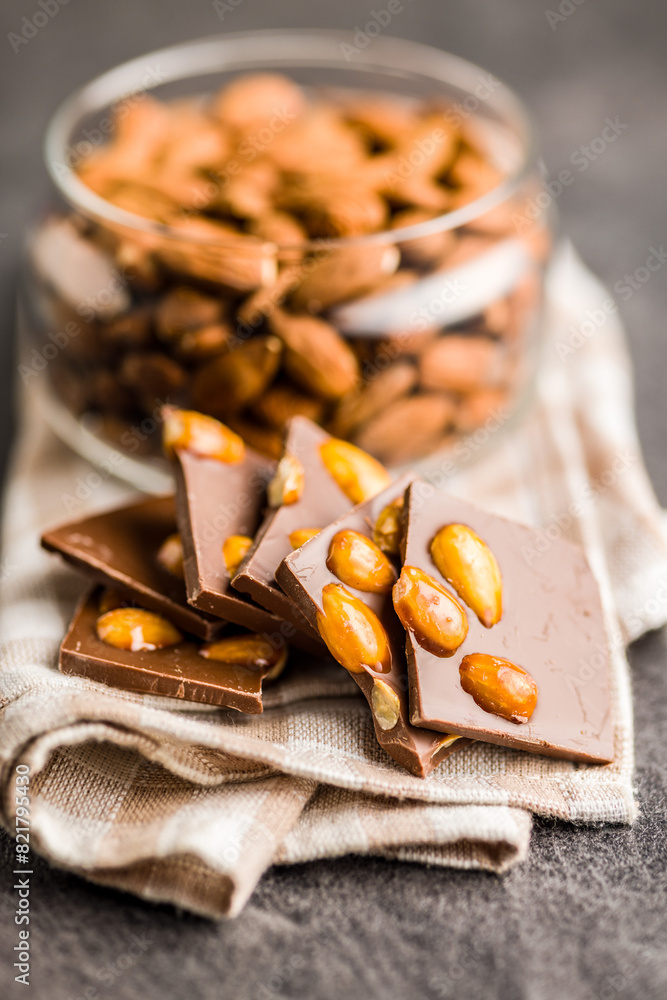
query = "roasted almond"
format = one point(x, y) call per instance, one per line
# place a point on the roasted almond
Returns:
point(498, 686)
point(435, 618)
point(234, 550)
point(136, 629)
point(359, 475)
point(343, 273)
point(469, 565)
point(227, 384)
point(252, 100)
point(301, 536)
point(170, 555)
point(407, 427)
point(384, 388)
point(287, 484)
point(316, 356)
point(282, 401)
point(385, 704)
point(201, 435)
point(388, 529)
point(358, 562)
point(460, 363)
point(249, 651)
point(352, 632)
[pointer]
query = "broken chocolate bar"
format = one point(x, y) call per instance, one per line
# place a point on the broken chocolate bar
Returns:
point(316, 481)
point(342, 581)
point(120, 548)
point(532, 670)
point(180, 670)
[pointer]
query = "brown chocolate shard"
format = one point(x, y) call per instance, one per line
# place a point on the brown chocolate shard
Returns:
point(320, 502)
point(304, 573)
point(119, 548)
point(213, 501)
point(178, 671)
point(551, 626)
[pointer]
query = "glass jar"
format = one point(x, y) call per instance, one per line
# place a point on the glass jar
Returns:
point(394, 297)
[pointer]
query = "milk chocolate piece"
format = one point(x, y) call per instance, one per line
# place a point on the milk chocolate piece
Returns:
point(551, 625)
point(321, 501)
point(304, 573)
point(173, 672)
point(213, 501)
point(119, 548)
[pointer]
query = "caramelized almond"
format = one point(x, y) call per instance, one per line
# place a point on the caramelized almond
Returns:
point(385, 704)
point(234, 549)
point(250, 651)
point(170, 555)
point(358, 562)
point(359, 475)
point(201, 435)
point(469, 565)
point(388, 530)
point(499, 686)
point(352, 632)
point(301, 536)
point(136, 629)
point(287, 485)
point(435, 618)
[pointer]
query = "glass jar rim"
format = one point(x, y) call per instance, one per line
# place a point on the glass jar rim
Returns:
point(259, 50)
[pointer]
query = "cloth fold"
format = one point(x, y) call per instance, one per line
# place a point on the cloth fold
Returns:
point(190, 804)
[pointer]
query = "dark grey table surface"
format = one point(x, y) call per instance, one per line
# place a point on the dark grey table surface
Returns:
point(585, 916)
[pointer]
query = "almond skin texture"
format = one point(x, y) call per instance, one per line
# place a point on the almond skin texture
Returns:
point(352, 632)
point(436, 620)
point(469, 565)
point(359, 475)
point(136, 630)
point(201, 435)
point(358, 562)
point(498, 686)
point(234, 549)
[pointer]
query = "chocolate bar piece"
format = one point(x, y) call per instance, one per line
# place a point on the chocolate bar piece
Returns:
point(305, 573)
point(178, 671)
point(320, 502)
point(119, 548)
point(550, 625)
point(215, 500)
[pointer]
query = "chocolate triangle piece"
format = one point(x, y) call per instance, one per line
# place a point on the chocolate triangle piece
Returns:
point(551, 625)
point(178, 671)
point(119, 548)
point(320, 502)
point(304, 574)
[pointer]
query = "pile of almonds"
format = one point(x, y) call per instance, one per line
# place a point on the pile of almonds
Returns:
point(229, 302)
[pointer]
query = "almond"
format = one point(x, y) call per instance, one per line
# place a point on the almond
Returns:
point(316, 356)
point(456, 363)
point(344, 273)
point(359, 475)
point(384, 388)
point(388, 529)
point(234, 379)
point(252, 100)
point(250, 651)
point(385, 704)
point(301, 536)
point(436, 620)
point(287, 484)
point(358, 562)
point(136, 630)
point(283, 401)
point(422, 251)
point(352, 632)
point(170, 555)
point(215, 252)
point(234, 551)
point(200, 434)
point(185, 308)
point(498, 686)
point(407, 428)
point(469, 565)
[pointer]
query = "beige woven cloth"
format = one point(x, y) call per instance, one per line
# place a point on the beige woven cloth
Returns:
point(190, 804)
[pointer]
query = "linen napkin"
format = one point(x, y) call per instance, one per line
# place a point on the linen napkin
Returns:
point(191, 804)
